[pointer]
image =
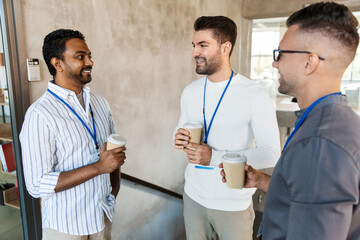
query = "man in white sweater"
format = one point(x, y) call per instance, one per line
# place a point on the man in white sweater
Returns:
point(237, 115)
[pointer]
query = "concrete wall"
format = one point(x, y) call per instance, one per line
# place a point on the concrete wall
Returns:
point(252, 9)
point(142, 56)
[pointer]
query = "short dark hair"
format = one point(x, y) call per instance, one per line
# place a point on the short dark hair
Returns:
point(54, 45)
point(224, 29)
point(330, 19)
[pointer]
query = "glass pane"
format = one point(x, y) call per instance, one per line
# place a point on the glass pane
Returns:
point(351, 80)
point(10, 217)
point(266, 36)
point(352, 73)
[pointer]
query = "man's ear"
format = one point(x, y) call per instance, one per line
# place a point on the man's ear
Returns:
point(226, 48)
point(57, 64)
point(311, 64)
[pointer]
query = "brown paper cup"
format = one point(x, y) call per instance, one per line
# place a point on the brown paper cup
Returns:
point(114, 141)
point(234, 167)
point(195, 129)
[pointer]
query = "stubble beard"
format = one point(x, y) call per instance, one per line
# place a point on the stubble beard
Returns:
point(210, 67)
point(284, 87)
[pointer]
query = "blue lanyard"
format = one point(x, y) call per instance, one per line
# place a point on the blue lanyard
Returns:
point(302, 119)
point(207, 131)
point(77, 115)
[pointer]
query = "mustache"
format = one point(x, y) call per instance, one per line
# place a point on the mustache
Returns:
point(200, 58)
point(86, 68)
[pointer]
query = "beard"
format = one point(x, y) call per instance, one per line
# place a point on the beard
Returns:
point(285, 87)
point(80, 78)
point(211, 66)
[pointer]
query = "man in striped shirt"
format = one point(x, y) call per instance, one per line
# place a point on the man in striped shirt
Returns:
point(63, 141)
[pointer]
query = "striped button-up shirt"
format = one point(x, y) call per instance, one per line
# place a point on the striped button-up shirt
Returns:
point(53, 140)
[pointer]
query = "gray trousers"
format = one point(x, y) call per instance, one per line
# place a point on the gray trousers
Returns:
point(202, 223)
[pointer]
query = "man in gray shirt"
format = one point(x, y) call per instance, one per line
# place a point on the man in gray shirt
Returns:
point(314, 189)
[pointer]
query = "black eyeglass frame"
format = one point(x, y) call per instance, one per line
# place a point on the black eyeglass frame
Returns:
point(279, 51)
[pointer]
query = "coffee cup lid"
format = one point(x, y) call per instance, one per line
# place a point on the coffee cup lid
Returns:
point(117, 139)
point(234, 158)
point(192, 125)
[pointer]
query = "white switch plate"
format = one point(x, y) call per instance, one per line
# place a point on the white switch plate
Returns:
point(33, 69)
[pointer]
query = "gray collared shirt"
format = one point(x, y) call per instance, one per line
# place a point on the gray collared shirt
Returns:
point(314, 189)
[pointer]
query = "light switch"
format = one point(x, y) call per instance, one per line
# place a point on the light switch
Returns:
point(33, 69)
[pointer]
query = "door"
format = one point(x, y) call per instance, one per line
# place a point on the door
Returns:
point(10, 216)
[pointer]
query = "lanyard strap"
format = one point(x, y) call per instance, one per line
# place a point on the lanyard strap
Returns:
point(302, 119)
point(207, 131)
point(77, 115)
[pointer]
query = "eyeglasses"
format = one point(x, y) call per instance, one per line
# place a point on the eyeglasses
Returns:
point(277, 54)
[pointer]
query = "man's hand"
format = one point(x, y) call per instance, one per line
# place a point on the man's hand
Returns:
point(253, 178)
point(108, 162)
point(181, 138)
point(111, 160)
point(198, 153)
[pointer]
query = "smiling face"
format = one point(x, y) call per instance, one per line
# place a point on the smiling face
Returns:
point(77, 63)
point(207, 52)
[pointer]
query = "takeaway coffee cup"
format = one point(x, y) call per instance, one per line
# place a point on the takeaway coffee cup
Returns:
point(234, 167)
point(115, 140)
point(195, 129)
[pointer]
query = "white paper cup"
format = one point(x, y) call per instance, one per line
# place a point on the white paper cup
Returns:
point(195, 129)
point(234, 167)
point(115, 140)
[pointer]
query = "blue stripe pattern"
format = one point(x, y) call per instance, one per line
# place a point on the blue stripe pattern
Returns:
point(53, 140)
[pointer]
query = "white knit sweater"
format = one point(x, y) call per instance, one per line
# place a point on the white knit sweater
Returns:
point(245, 121)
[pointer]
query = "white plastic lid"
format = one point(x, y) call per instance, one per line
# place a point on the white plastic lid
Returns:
point(234, 158)
point(192, 125)
point(117, 139)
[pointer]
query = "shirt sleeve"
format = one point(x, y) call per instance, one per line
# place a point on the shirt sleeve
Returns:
point(183, 117)
point(266, 132)
point(323, 182)
point(111, 119)
point(37, 144)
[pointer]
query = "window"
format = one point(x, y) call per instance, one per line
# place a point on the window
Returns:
point(266, 35)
